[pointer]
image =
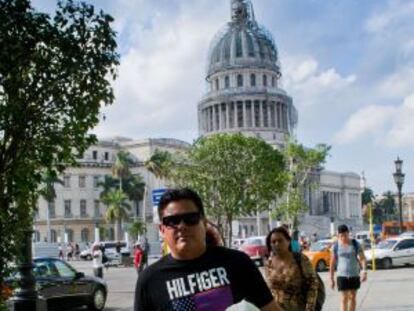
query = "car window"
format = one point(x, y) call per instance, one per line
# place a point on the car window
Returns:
point(317, 247)
point(387, 244)
point(405, 244)
point(64, 270)
point(46, 268)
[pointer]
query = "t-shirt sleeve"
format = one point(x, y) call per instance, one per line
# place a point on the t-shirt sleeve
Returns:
point(254, 286)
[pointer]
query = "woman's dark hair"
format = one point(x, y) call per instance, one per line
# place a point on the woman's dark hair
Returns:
point(283, 232)
point(174, 195)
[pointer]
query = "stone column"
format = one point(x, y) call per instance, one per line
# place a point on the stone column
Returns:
point(244, 114)
point(278, 123)
point(214, 117)
point(228, 115)
point(221, 126)
point(236, 124)
point(261, 113)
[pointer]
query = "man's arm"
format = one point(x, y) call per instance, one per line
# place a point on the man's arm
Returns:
point(332, 265)
point(271, 306)
point(363, 264)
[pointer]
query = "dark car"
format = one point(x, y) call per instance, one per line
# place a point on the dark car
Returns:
point(64, 288)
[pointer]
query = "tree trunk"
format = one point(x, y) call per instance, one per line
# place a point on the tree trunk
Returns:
point(119, 229)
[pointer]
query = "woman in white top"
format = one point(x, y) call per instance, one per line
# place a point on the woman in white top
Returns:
point(97, 261)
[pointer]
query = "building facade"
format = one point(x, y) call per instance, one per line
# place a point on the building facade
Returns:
point(77, 209)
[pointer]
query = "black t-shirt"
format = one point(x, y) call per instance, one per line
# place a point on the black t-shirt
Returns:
point(218, 279)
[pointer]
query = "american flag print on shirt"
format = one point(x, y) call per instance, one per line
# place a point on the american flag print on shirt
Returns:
point(218, 299)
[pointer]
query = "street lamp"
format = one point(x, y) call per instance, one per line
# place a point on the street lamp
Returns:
point(399, 181)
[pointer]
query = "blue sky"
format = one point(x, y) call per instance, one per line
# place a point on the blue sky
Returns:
point(349, 66)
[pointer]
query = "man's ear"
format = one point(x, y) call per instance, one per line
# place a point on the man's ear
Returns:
point(161, 229)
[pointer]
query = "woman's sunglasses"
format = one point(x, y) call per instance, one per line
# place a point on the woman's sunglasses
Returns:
point(190, 219)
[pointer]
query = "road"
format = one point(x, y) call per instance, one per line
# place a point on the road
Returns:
point(390, 290)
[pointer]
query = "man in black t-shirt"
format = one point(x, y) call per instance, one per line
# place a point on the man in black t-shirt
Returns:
point(193, 276)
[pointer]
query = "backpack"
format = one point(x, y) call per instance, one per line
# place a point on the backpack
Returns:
point(320, 299)
point(356, 246)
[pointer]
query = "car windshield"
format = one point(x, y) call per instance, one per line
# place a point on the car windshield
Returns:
point(386, 244)
point(407, 234)
point(318, 247)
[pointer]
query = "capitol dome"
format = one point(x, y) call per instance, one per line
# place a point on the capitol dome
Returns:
point(243, 76)
point(242, 43)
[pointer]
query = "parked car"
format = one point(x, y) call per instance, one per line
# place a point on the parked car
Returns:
point(256, 248)
point(319, 254)
point(392, 252)
point(62, 287)
point(407, 234)
point(114, 258)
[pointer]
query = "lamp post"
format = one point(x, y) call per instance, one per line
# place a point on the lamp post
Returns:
point(399, 181)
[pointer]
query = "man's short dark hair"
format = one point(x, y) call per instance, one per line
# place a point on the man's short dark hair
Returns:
point(343, 229)
point(174, 195)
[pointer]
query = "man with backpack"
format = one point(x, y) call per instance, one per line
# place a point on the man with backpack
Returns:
point(349, 260)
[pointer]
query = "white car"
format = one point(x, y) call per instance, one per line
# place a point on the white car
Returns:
point(394, 251)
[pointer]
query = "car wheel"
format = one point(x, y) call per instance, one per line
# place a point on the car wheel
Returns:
point(387, 263)
point(321, 266)
point(98, 300)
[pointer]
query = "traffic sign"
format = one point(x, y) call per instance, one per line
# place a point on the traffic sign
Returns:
point(156, 195)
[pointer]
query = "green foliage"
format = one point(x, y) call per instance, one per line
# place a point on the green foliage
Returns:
point(55, 75)
point(160, 164)
point(235, 176)
point(367, 196)
point(137, 228)
point(116, 201)
point(301, 162)
point(121, 167)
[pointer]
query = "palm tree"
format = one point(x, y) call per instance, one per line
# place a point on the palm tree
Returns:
point(134, 188)
point(107, 185)
point(48, 192)
point(117, 206)
point(120, 169)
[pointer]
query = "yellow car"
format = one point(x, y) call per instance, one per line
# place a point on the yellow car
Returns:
point(319, 254)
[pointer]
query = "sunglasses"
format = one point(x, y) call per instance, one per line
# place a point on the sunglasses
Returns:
point(190, 219)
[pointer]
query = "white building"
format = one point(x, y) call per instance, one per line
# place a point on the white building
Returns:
point(77, 209)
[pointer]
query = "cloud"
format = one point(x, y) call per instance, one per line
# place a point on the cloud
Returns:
point(401, 133)
point(367, 122)
point(161, 76)
point(311, 86)
point(395, 14)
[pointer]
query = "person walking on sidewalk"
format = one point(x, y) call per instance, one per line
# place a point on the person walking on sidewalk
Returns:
point(138, 259)
point(97, 261)
point(349, 260)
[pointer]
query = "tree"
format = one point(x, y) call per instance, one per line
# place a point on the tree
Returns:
point(234, 175)
point(367, 196)
point(300, 162)
point(116, 201)
point(55, 74)
point(107, 185)
point(48, 192)
point(137, 228)
point(160, 164)
point(120, 169)
point(134, 188)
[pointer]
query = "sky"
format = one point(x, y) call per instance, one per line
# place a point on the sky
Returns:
point(348, 65)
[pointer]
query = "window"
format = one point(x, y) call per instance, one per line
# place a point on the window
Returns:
point(85, 235)
point(82, 181)
point(52, 209)
point(66, 181)
point(239, 114)
point(53, 236)
point(227, 82)
point(69, 232)
point(252, 79)
point(264, 80)
point(36, 236)
point(83, 208)
point(239, 48)
point(68, 209)
point(96, 212)
point(217, 84)
point(95, 155)
point(106, 156)
point(273, 81)
point(239, 80)
point(96, 181)
point(64, 270)
point(265, 115)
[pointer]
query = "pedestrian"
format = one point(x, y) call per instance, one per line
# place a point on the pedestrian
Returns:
point(60, 252)
point(77, 251)
point(194, 275)
point(118, 247)
point(138, 256)
point(348, 258)
point(97, 261)
point(303, 242)
point(314, 237)
point(70, 252)
point(290, 275)
point(295, 242)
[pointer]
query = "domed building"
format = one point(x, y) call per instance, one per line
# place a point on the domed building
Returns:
point(244, 82)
